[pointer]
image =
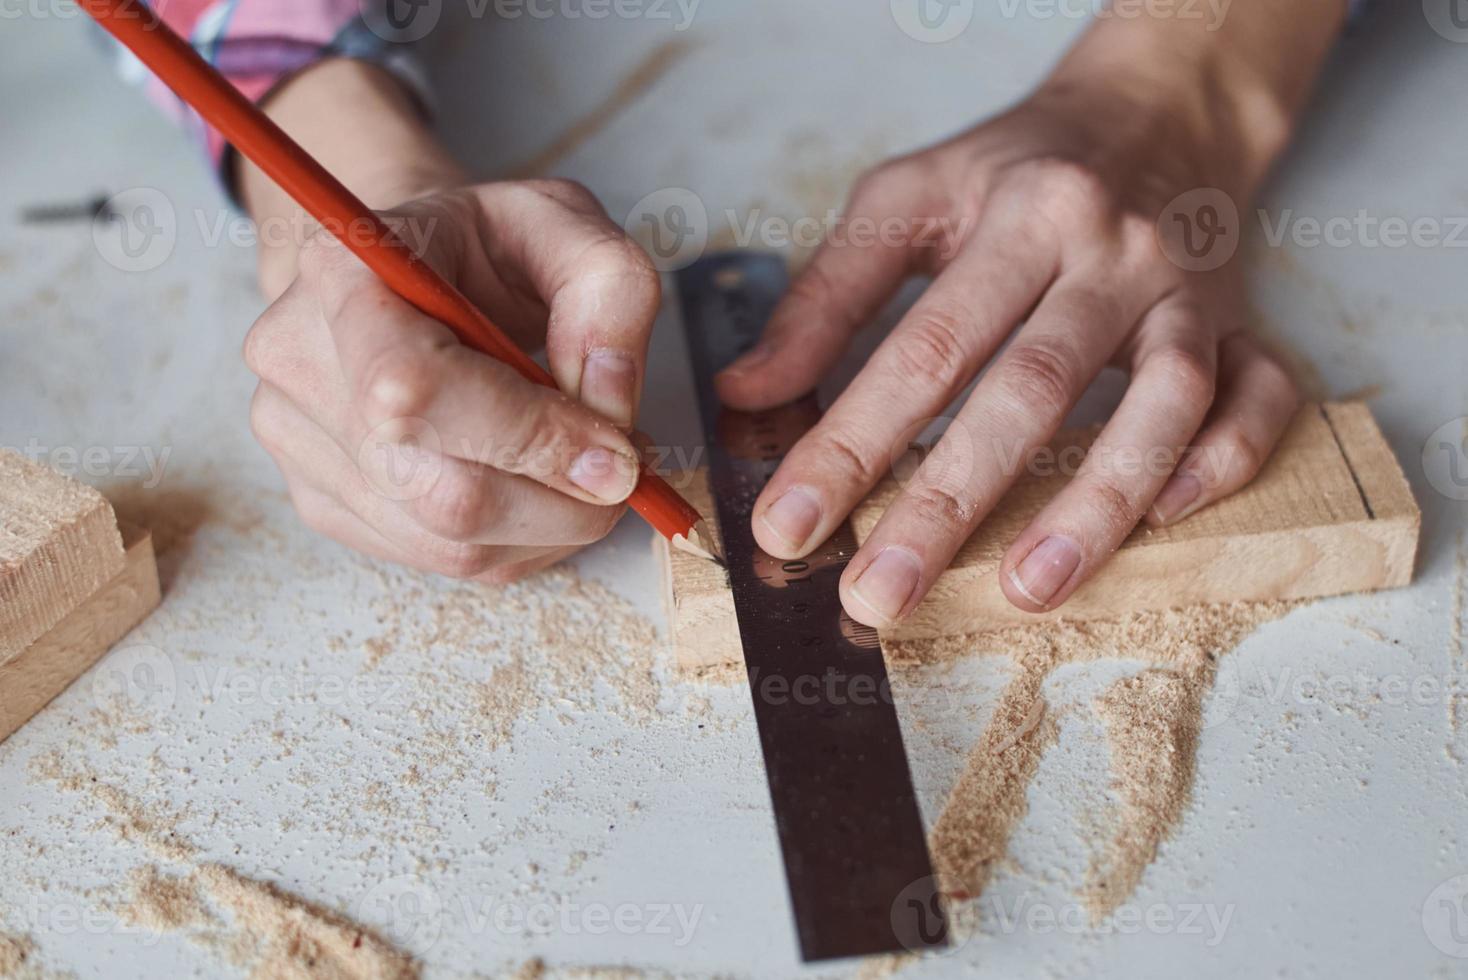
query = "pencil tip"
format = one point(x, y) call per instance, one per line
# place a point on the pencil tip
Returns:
point(701, 542)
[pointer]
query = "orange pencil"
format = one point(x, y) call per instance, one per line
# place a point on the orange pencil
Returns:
point(265, 144)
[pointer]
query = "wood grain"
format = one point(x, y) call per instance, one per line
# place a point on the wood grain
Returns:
point(1330, 513)
point(58, 545)
point(47, 667)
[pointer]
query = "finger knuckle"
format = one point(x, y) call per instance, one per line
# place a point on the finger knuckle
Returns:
point(931, 351)
point(314, 513)
point(320, 254)
point(570, 193)
point(598, 524)
point(265, 422)
point(1116, 510)
point(1243, 455)
point(1072, 189)
point(1187, 374)
point(456, 506)
point(1038, 376)
point(397, 384)
point(504, 575)
point(460, 561)
point(939, 507)
point(839, 448)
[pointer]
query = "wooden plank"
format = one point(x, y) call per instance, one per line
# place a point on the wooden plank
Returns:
point(1330, 513)
point(58, 545)
point(47, 667)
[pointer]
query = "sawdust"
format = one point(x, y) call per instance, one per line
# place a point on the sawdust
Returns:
point(163, 904)
point(1152, 722)
point(297, 940)
point(1457, 667)
point(547, 642)
point(271, 933)
point(126, 817)
point(274, 934)
point(18, 960)
point(633, 86)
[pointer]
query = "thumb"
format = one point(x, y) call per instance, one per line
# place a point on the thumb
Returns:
point(600, 289)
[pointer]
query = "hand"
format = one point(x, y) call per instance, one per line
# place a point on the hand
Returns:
point(1050, 215)
point(398, 441)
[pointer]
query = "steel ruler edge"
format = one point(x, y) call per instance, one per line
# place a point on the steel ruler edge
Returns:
point(851, 834)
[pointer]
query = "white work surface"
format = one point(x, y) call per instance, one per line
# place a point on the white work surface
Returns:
point(1328, 806)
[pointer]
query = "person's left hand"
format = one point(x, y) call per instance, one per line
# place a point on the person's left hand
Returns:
point(1051, 212)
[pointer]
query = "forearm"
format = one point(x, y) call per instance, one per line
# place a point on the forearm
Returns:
point(364, 128)
point(1234, 83)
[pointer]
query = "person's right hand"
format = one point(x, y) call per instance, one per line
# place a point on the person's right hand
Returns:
point(400, 442)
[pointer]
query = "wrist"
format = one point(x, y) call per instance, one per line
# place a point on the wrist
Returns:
point(362, 126)
point(1225, 95)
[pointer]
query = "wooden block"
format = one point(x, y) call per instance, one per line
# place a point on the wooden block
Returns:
point(1330, 513)
point(29, 680)
point(58, 545)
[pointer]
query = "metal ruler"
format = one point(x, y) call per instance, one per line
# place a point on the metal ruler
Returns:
point(856, 858)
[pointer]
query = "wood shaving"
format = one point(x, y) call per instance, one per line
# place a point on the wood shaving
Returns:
point(1152, 723)
point(19, 960)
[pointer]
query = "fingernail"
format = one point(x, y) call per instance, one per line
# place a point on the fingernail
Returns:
point(609, 385)
point(793, 518)
point(1177, 498)
point(603, 474)
point(888, 582)
point(1045, 569)
point(753, 358)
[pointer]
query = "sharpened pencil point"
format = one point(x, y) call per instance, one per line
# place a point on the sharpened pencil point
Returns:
point(700, 541)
